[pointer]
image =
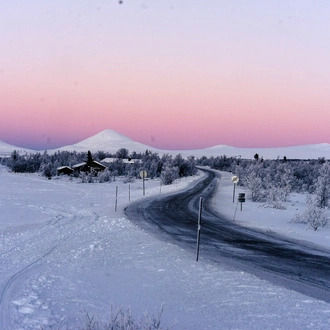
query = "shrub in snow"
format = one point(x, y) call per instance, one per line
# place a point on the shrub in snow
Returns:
point(275, 197)
point(114, 174)
point(128, 179)
point(90, 178)
point(83, 178)
point(122, 320)
point(87, 178)
point(104, 176)
point(314, 216)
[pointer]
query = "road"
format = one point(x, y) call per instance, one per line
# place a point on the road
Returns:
point(295, 265)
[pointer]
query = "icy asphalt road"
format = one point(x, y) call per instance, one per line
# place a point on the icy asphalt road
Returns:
point(296, 265)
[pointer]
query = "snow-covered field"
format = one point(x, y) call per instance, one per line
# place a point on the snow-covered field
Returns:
point(65, 250)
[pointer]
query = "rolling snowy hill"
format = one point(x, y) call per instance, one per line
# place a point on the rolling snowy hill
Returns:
point(110, 141)
point(311, 151)
point(6, 149)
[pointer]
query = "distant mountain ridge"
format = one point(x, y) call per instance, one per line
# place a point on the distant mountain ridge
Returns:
point(310, 151)
point(110, 141)
point(6, 149)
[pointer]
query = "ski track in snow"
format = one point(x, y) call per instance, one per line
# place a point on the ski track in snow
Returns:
point(22, 265)
point(27, 305)
point(27, 251)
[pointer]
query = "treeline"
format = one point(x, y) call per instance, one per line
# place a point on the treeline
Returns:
point(263, 178)
point(272, 181)
point(167, 167)
point(260, 176)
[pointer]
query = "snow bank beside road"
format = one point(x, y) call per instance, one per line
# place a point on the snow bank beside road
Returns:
point(261, 216)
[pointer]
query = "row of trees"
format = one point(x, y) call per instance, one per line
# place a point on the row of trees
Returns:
point(260, 176)
point(265, 179)
point(167, 167)
point(269, 181)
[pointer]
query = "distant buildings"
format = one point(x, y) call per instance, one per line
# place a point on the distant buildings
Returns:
point(94, 167)
point(125, 161)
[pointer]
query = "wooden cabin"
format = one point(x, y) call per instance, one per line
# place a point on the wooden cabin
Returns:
point(64, 170)
point(94, 168)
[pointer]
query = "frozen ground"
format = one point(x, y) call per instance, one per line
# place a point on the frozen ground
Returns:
point(64, 250)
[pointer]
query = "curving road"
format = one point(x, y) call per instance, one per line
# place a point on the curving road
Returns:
point(293, 264)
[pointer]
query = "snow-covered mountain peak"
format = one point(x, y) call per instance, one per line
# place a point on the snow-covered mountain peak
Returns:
point(108, 135)
point(107, 140)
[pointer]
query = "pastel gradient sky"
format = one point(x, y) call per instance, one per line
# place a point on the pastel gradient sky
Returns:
point(173, 74)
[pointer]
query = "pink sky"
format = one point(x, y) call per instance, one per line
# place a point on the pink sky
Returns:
point(173, 75)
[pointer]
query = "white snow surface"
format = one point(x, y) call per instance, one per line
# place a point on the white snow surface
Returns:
point(64, 250)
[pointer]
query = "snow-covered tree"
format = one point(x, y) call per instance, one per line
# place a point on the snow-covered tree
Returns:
point(322, 186)
point(286, 182)
point(169, 174)
point(89, 158)
point(122, 153)
point(254, 184)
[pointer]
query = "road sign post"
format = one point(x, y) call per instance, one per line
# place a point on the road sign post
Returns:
point(116, 202)
point(241, 199)
point(199, 226)
point(143, 175)
point(235, 179)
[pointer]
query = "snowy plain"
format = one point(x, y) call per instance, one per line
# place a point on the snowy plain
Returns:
point(64, 249)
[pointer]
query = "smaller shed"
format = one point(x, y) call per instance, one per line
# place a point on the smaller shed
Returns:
point(64, 170)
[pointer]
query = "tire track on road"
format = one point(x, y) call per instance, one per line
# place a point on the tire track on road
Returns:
point(280, 260)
